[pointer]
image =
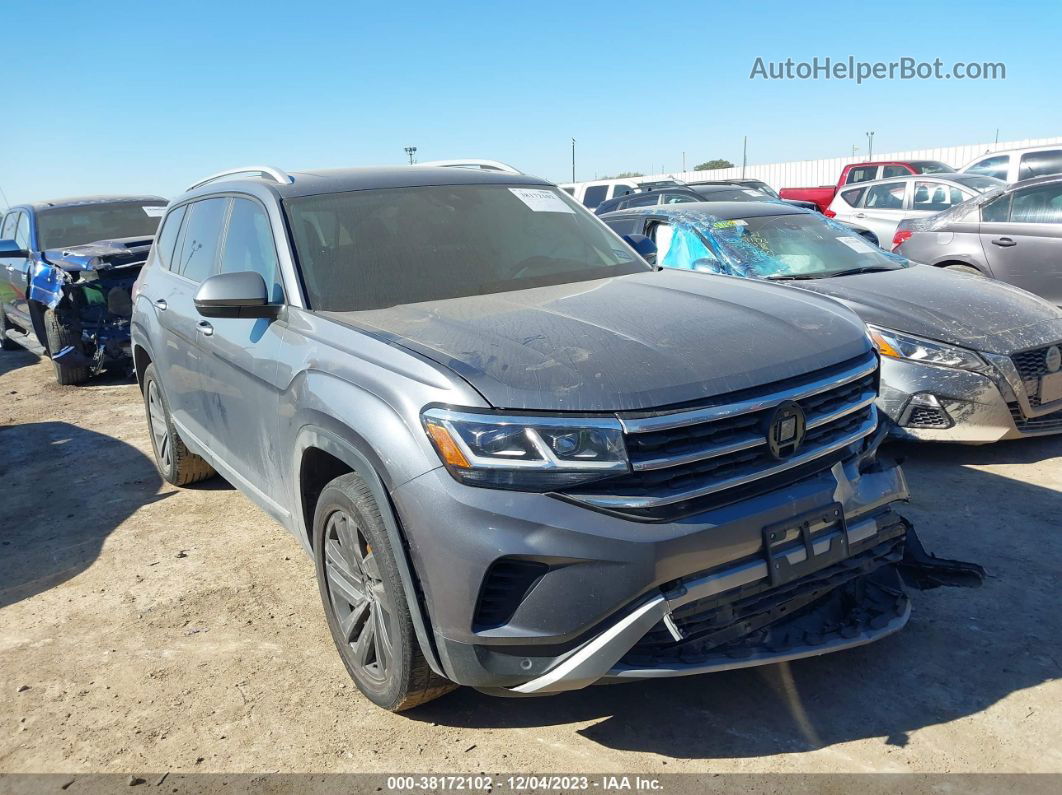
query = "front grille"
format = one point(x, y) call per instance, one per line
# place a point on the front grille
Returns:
point(685, 457)
point(927, 417)
point(1045, 423)
point(729, 624)
point(1032, 366)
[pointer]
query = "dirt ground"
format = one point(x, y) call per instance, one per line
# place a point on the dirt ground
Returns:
point(144, 627)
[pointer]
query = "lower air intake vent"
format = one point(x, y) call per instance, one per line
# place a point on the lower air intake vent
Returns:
point(507, 582)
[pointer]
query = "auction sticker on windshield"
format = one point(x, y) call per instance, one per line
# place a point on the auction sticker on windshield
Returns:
point(541, 201)
point(857, 244)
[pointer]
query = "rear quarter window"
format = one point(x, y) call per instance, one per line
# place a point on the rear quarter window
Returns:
point(853, 197)
point(171, 226)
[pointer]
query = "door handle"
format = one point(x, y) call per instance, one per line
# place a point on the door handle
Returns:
point(205, 327)
point(861, 215)
point(160, 303)
point(1004, 242)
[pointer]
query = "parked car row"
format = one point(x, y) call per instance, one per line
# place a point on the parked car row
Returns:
point(522, 457)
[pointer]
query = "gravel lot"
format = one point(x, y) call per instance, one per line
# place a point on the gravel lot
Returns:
point(144, 627)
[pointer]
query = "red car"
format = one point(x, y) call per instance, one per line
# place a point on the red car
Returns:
point(864, 172)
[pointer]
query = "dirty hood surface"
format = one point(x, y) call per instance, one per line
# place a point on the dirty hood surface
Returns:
point(628, 343)
point(951, 307)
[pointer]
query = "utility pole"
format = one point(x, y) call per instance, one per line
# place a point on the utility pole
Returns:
point(870, 145)
point(854, 149)
point(573, 160)
point(411, 151)
point(997, 135)
point(683, 162)
point(744, 155)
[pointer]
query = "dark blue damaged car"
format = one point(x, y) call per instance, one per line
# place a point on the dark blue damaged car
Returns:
point(67, 268)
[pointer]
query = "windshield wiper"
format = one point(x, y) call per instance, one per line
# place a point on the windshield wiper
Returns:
point(864, 269)
point(778, 277)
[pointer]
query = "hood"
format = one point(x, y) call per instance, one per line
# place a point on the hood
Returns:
point(951, 307)
point(100, 255)
point(628, 343)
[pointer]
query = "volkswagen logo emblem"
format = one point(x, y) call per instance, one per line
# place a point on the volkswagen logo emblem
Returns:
point(1053, 359)
point(785, 429)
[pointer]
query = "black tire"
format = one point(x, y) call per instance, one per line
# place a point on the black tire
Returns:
point(175, 462)
point(5, 343)
point(61, 336)
point(958, 267)
point(364, 601)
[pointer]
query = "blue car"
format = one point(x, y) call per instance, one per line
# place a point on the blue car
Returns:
point(67, 268)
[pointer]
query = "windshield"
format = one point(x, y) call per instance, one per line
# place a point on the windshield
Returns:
point(62, 227)
point(796, 246)
point(931, 167)
point(371, 249)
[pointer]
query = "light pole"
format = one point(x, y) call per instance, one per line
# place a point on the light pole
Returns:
point(411, 151)
point(870, 145)
point(573, 160)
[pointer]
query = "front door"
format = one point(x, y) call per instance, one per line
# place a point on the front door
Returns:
point(238, 362)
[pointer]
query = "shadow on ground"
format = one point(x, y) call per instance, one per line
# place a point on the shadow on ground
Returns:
point(20, 357)
point(963, 650)
point(64, 489)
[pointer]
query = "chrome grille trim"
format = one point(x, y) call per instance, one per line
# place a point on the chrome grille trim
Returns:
point(619, 501)
point(752, 440)
point(681, 419)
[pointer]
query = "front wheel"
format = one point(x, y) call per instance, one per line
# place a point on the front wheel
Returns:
point(364, 600)
point(65, 340)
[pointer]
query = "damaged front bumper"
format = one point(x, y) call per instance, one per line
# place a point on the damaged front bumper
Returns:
point(930, 403)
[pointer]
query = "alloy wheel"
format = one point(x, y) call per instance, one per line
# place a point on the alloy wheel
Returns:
point(160, 431)
point(356, 593)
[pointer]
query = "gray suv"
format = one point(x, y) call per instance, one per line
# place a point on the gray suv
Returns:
point(522, 458)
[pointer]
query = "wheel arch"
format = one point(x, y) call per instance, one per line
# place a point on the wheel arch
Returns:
point(321, 456)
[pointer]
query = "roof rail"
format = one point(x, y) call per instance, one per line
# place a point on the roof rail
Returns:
point(265, 171)
point(482, 165)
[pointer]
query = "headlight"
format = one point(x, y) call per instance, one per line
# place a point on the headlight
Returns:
point(904, 346)
point(525, 453)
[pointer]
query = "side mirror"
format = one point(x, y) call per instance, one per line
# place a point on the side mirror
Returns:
point(644, 246)
point(9, 248)
point(240, 294)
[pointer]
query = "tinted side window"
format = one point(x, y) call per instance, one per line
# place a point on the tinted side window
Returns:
point(863, 174)
point(625, 226)
point(569, 191)
point(621, 190)
point(995, 211)
point(168, 236)
point(8, 232)
point(1040, 164)
point(853, 196)
point(894, 171)
point(991, 167)
point(22, 231)
point(595, 194)
point(249, 246)
point(200, 233)
point(886, 197)
point(1040, 205)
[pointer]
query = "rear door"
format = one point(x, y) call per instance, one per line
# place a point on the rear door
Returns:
point(238, 359)
point(883, 208)
point(194, 259)
point(1023, 241)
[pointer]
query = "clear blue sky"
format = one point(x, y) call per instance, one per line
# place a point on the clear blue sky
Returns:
point(145, 97)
